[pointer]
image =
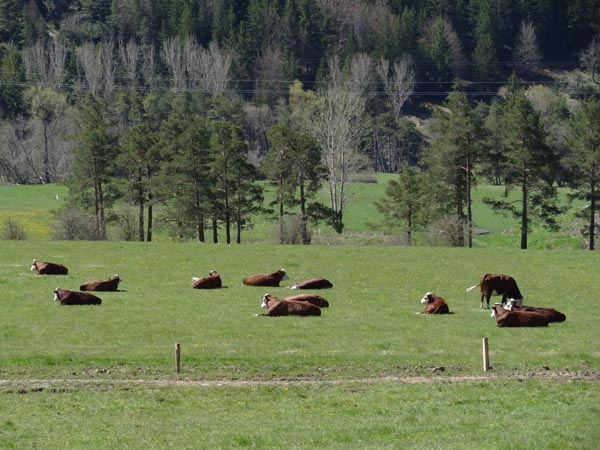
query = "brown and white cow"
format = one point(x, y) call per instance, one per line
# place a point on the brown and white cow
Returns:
point(267, 279)
point(48, 268)
point(112, 284)
point(552, 314)
point(435, 304)
point(499, 284)
point(212, 281)
point(279, 307)
point(66, 297)
point(313, 283)
point(314, 299)
point(506, 318)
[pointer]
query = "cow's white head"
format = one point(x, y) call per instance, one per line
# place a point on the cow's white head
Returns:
point(265, 301)
point(512, 302)
point(426, 298)
point(56, 299)
point(285, 275)
point(33, 264)
point(212, 273)
point(493, 315)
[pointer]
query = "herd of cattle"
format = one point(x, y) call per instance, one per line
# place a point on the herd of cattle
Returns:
point(509, 313)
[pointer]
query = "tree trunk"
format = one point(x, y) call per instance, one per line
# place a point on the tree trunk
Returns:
point(469, 209)
point(227, 218)
point(149, 233)
point(141, 211)
point(215, 230)
point(303, 218)
point(592, 216)
point(102, 223)
point(46, 155)
point(524, 212)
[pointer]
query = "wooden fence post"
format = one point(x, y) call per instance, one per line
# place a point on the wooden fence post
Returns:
point(178, 357)
point(486, 355)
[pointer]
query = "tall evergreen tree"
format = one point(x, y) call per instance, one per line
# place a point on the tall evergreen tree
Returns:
point(530, 165)
point(584, 160)
point(454, 155)
point(405, 202)
point(93, 163)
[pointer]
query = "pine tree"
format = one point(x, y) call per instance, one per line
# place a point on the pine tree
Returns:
point(405, 204)
point(584, 160)
point(530, 165)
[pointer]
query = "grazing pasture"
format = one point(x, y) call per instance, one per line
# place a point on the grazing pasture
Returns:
point(368, 373)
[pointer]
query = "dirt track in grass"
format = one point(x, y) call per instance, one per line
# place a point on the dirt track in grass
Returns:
point(25, 385)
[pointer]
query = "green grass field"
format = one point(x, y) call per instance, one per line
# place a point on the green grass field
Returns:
point(32, 207)
point(369, 373)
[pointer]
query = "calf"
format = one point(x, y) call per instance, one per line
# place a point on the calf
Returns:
point(212, 281)
point(435, 304)
point(112, 284)
point(552, 314)
point(48, 268)
point(506, 318)
point(313, 283)
point(75, 298)
point(504, 285)
point(268, 279)
point(279, 307)
point(313, 299)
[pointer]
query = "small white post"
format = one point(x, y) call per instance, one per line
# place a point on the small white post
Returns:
point(178, 357)
point(486, 355)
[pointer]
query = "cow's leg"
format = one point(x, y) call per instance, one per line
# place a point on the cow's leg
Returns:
point(481, 304)
point(487, 299)
point(503, 299)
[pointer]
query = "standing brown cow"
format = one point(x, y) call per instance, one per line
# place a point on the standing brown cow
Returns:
point(278, 307)
point(112, 284)
point(212, 281)
point(66, 297)
point(435, 304)
point(504, 285)
point(267, 279)
point(48, 268)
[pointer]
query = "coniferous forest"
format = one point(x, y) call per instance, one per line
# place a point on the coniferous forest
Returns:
point(183, 105)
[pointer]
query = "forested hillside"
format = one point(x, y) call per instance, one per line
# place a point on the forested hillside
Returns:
point(181, 105)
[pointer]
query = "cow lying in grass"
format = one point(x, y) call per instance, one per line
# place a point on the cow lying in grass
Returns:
point(48, 268)
point(313, 283)
point(435, 304)
point(278, 307)
point(267, 279)
point(66, 297)
point(503, 285)
point(112, 284)
point(212, 281)
point(506, 318)
point(552, 314)
point(313, 299)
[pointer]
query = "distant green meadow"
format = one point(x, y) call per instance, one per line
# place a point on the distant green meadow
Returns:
point(369, 373)
point(33, 206)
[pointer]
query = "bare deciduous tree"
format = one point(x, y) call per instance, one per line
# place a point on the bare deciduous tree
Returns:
point(45, 64)
point(130, 54)
point(527, 55)
point(217, 65)
point(172, 55)
point(96, 68)
point(149, 67)
point(590, 59)
point(399, 84)
point(337, 124)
